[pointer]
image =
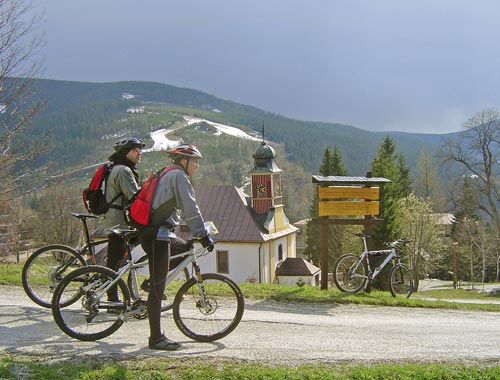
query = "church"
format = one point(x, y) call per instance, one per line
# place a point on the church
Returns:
point(254, 233)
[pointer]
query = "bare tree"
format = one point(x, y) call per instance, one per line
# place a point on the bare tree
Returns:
point(20, 40)
point(427, 184)
point(480, 243)
point(477, 151)
point(419, 224)
point(52, 221)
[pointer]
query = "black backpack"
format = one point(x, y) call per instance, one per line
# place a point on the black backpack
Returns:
point(94, 198)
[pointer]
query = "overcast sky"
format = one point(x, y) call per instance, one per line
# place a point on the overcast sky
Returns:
point(408, 65)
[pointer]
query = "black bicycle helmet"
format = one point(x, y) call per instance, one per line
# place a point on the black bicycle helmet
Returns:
point(128, 144)
point(184, 151)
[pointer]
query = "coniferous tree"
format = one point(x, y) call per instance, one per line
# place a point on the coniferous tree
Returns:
point(404, 176)
point(389, 165)
point(337, 166)
point(467, 202)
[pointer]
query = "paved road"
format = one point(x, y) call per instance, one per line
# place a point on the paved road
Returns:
point(275, 332)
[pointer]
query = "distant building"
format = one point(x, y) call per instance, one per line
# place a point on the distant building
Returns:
point(294, 270)
point(136, 109)
point(254, 232)
point(301, 237)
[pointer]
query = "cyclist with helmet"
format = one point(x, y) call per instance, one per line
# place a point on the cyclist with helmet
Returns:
point(174, 194)
point(121, 184)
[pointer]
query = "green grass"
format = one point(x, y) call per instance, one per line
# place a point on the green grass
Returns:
point(10, 274)
point(165, 368)
point(32, 367)
point(463, 293)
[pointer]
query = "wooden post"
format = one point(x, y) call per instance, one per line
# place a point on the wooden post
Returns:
point(323, 244)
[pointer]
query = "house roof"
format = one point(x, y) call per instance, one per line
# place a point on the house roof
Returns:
point(295, 266)
point(444, 218)
point(228, 208)
point(337, 180)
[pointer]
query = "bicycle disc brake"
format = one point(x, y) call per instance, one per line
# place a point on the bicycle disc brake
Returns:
point(208, 307)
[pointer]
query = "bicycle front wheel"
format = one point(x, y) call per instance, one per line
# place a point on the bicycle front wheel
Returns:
point(210, 310)
point(400, 281)
point(91, 317)
point(349, 273)
point(45, 268)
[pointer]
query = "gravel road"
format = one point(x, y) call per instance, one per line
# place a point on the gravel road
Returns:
point(276, 332)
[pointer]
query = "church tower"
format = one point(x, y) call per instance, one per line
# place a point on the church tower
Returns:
point(266, 192)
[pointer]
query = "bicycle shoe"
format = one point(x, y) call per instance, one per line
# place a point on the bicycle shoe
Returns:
point(164, 344)
point(145, 287)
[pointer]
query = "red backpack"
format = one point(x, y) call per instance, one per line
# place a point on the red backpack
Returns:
point(94, 198)
point(138, 210)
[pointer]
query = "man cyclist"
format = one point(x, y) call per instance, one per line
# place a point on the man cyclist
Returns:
point(174, 193)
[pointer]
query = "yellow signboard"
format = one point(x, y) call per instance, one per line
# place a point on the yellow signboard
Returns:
point(348, 201)
point(348, 192)
point(336, 208)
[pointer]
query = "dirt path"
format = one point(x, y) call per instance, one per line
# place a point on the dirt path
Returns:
point(281, 333)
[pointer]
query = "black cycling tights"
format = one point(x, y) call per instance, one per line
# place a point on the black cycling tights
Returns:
point(158, 252)
point(116, 252)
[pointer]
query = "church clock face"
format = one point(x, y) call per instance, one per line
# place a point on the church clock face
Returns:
point(261, 190)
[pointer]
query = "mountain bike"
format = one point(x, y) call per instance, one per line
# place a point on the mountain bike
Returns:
point(352, 273)
point(48, 265)
point(206, 307)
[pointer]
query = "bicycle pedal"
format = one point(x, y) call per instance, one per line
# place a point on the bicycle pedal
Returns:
point(145, 286)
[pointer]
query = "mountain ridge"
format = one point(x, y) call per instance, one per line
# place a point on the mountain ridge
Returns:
point(85, 117)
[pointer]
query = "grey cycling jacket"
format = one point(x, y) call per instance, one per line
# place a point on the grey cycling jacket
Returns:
point(121, 180)
point(174, 193)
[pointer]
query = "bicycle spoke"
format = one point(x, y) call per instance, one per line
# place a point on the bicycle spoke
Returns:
point(211, 314)
point(45, 268)
point(89, 316)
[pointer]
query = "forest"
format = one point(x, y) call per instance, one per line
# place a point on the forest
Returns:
point(81, 121)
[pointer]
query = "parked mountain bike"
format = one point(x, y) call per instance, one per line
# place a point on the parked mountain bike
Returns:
point(352, 273)
point(206, 307)
point(48, 265)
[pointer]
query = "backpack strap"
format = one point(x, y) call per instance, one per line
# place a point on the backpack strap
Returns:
point(116, 207)
point(111, 205)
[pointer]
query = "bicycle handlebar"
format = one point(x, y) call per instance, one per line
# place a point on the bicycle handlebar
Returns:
point(394, 244)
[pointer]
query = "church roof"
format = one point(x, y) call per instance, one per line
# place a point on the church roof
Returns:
point(264, 159)
point(228, 208)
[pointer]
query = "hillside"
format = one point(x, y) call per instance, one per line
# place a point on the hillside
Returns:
point(86, 118)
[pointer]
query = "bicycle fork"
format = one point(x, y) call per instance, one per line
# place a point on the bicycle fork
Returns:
point(203, 304)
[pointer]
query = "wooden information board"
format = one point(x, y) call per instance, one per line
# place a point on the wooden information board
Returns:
point(345, 200)
point(348, 201)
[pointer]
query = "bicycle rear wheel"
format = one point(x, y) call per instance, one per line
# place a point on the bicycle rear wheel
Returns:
point(45, 268)
point(91, 317)
point(400, 281)
point(210, 310)
point(349, 274)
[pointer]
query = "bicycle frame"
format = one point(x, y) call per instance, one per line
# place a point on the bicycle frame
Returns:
point(389, 257)
point(133, 265)
point(367, 253)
